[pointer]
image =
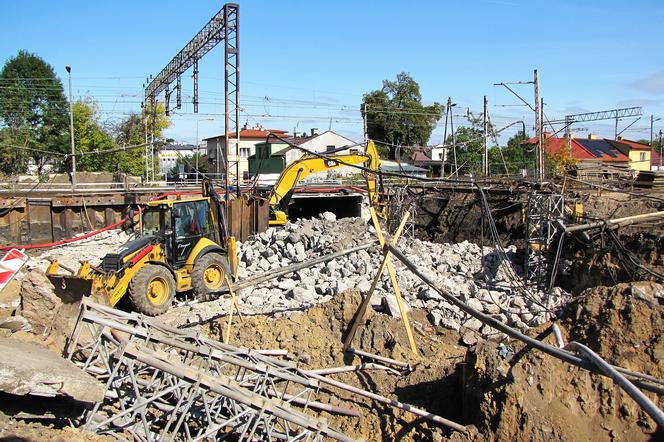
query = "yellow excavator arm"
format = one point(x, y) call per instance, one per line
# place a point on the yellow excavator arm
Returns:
point(310, 164)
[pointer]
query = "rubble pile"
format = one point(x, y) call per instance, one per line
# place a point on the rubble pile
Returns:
point(91, 249)
point(491, 287)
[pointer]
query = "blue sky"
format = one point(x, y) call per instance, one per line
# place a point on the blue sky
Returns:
point(306, 64)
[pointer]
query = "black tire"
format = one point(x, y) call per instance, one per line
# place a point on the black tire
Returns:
point(200, 280)
point(151, 290)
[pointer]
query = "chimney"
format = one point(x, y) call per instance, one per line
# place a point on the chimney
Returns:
point(314, 131)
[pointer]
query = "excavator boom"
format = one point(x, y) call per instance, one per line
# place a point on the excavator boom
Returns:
point(310, 164)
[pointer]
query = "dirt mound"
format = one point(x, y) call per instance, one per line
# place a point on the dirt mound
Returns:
point(526, 395)
point(314, 340)
point(12, 430)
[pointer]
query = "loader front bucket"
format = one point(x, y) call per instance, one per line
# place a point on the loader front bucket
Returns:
point(70, 288)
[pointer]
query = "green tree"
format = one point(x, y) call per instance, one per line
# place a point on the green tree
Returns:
point(33, 112)
point(131, 132)
point(468, 144)
point(395, 114)
point(90, 137)
point(188, 163)
point(518, 155)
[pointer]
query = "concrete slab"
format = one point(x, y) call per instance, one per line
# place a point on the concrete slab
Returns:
point(28, 369)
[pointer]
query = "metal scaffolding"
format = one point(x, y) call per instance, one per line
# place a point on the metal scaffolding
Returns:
point(542, 212)
point(401, 201)
point(164, 383)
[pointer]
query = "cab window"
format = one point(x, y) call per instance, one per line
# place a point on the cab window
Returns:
point(191, 219)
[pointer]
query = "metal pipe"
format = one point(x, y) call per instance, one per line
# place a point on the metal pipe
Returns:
point(644, 402)
point(376, 397)
point(617, 222)
point(313, 404)
point(379, 358)
point(546, 348)
point(351, 368)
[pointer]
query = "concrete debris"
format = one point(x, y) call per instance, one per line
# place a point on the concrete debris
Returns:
point(33, 370)
point(457, 268)
point(39, 305)
point(92, 249)
point(15, 323)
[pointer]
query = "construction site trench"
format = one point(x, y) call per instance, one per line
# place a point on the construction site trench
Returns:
point(464, 370)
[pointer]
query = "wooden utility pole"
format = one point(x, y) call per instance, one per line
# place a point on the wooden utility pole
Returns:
point(485, 156)
point(539, 173)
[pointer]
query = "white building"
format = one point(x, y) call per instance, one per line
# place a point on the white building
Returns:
point(328, 141)
point(168, 156)
point(439, 152)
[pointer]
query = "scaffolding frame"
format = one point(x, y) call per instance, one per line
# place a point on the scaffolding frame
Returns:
point(163, 383)
point(542, 213)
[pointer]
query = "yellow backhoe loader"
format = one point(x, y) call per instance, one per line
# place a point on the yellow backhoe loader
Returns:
point(182, 245)
point(309, 164)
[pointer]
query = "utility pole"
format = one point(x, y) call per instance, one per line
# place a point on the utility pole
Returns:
point(538, 153)
point(364, 121)
point(71, 130)
point(485, 156)
point(660, 149)
point(456, 166)
point(541, 141)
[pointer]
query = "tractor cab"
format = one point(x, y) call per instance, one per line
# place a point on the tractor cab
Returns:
point(181, 224)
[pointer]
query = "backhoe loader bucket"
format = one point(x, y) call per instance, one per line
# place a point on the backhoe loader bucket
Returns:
point(71, 288)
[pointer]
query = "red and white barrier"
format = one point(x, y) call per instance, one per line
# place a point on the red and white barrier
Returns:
point(10, 264)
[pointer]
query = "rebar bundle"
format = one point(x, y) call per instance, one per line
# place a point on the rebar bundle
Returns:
point(164, 383)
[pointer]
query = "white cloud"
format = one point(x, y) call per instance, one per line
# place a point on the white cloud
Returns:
point(653, 84)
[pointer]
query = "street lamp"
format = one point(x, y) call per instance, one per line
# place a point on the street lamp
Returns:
point(71, 129)
point(198, 143)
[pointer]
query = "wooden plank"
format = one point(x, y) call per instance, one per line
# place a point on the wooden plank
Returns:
point(362, 309)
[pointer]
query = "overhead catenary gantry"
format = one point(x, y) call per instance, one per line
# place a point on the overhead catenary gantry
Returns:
point(223, 27)
point(612, 114)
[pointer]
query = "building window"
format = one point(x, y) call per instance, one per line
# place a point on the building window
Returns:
point(642, 156)
point(330, 147)
point(244, 152)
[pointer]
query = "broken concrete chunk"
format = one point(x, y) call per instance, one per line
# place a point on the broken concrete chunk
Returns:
point(328, 216)
point(15, 323)
point(392, 306)
point(475, 304)
point(33, 370)
point(40, 304)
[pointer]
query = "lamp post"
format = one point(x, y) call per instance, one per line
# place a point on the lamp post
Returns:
point(71, 129)
point(198, 149)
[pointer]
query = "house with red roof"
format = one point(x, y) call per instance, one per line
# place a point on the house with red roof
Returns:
point(590, 153)
point(249, 138)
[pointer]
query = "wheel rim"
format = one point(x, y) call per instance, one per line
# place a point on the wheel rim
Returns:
point(213, 276)
point(158, 291)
